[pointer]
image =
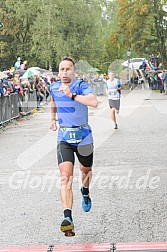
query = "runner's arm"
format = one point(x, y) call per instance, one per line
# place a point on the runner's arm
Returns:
point(88, 100)
point(119, 88)
point(53, 125)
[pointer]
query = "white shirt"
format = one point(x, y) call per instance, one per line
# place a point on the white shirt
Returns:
point(111, 87)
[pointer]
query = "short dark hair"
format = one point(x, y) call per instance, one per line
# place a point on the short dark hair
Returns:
point(68, 59)
point(53, 79)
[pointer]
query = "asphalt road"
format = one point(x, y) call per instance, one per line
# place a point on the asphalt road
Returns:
point(128, 188)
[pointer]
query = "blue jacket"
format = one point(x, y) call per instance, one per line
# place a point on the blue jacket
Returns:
point(1, 89)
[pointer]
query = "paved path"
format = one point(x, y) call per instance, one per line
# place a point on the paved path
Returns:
point(128, 186)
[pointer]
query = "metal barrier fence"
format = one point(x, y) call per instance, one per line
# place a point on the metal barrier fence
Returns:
point(29, 102)
point(98, 87)
point(10, 106)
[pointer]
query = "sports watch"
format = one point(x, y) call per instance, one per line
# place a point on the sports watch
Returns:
point(73, 96)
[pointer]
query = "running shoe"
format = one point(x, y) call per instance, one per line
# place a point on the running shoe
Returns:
point(116, 126)
point(67, 227)
point(86, 202)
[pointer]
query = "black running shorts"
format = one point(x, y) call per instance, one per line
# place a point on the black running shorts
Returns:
point(114, 104)
point(84, 153)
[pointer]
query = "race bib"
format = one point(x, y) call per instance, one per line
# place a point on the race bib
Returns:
point(113, 93)
point(72, 135)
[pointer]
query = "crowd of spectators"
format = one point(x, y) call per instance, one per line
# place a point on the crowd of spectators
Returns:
point(153, 74)
point(14, 84)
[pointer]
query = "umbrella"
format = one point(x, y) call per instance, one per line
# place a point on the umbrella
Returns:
point(2, 75)
point(34, 68)
point(40, 70)
point(30, 73)
point(94, 69)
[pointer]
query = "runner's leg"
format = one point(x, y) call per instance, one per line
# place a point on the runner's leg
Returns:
point(66, 172)
point(85, 157)
point(113, 116)
point(65, 154)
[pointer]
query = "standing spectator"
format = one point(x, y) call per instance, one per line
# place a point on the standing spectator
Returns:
point(152, 66)
point(19, 90)
point(16, 76)
point(149, 80)
point(52, 80)
point(165, 82)
point(131, 86)
point(47, 88)
point(17, 64)
point(4, 85)
point(144, 64)
point(40, 91)
point(23, 65)
point(136, 80)
point(1, 89)
point(152, 59)
point(157, 82)
point(12, 84)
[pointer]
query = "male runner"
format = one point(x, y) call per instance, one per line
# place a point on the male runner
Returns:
point(70, 101)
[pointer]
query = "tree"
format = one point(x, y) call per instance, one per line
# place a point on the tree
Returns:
point(113, 38)
point(43, 31)
point(142, 26)
point(18, 18)
point(66, 31)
